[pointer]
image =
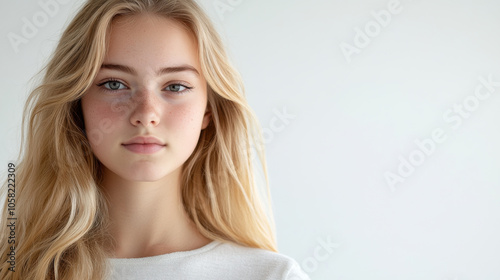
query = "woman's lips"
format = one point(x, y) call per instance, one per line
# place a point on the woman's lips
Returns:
point(144, 148)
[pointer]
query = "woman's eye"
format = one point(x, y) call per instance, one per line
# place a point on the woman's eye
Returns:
point(177, 88)
point(114, 85)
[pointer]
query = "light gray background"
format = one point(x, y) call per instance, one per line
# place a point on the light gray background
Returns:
point(352, 122)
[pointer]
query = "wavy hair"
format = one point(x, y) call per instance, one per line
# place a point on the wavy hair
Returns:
point(62, 217)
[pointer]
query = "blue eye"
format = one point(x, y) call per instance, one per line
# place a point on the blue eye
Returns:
point(178, 88)
point(115, 85)
point(112, 85)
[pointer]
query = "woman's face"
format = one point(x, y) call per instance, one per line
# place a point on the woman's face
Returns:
point(150, 85)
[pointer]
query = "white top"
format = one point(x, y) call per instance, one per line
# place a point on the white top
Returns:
point(214, 261)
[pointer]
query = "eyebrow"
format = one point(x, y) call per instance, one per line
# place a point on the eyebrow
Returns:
point(162, 71)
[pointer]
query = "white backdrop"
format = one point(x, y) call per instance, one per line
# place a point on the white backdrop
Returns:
point(381, 124)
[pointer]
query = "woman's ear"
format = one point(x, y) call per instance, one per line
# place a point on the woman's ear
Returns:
point(206, 118)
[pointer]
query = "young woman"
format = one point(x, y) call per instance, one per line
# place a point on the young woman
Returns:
point(137, 156)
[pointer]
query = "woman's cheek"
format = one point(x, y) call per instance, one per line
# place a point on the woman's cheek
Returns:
point(100, 121)
point(184, 119)
point(181, 126)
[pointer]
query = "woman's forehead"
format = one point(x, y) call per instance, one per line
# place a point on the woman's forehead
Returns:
point(146, 39)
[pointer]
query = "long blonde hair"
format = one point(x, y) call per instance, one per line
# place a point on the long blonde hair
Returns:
point(61, 212)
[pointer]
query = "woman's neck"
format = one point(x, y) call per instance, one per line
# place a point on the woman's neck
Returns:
point(148, 218)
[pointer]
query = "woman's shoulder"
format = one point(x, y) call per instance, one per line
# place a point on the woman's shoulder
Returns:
point(278, 265)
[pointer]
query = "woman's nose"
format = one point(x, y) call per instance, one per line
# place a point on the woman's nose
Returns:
point(146, 111)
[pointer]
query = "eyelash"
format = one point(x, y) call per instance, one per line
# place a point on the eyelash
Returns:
point(101, 85)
